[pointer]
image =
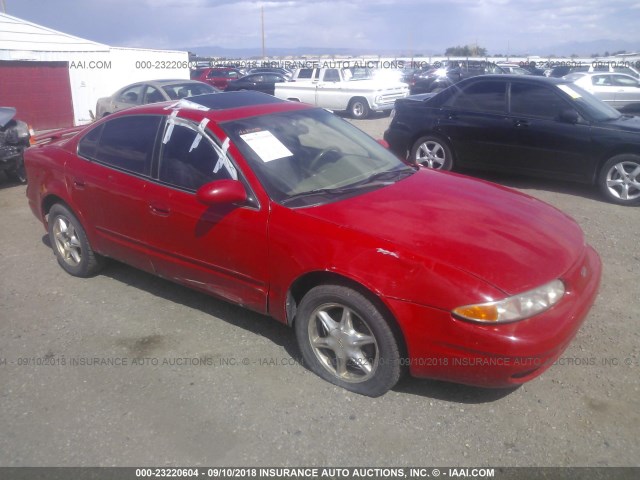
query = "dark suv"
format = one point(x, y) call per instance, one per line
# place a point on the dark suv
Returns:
point(444, 74)
point(15, 136)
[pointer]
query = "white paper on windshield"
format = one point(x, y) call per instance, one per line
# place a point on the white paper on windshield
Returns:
point(569, 91)
point(266, 145)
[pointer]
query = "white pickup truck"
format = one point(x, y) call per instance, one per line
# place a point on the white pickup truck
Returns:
point(338, 89)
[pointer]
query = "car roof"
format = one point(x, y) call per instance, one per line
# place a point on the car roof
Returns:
point(615, 74)
point(216, 101)
point(162, 83)
point(220, 107)
point(221, 68)
point(519, 78)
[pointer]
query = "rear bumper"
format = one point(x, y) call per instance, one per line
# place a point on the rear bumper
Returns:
point(398, 141)
point(445, 348)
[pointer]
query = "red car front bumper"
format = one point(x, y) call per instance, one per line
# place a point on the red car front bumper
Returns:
point(446, 348)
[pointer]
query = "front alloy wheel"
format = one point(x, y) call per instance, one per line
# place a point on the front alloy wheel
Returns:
point(345, 339)
point(343, 343)
point(619, 179)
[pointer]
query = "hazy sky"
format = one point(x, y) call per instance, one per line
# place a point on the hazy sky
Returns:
point(501, 26)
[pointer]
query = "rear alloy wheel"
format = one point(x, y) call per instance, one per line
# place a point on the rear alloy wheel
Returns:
point(619, 179)
point(70, 243)
point(347, 341)
point(359, 108)
point(431, 152)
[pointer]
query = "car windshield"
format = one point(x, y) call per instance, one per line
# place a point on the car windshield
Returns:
point(585, 102)
point(311, 157)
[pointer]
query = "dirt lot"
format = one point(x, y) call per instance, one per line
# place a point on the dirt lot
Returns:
point(252, 403)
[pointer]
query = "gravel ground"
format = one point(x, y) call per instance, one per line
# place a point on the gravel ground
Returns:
point(256, 405)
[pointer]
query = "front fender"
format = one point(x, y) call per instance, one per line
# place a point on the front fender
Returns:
point(301, 245)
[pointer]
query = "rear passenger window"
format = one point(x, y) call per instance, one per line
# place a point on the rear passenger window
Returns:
point(89, 144)
point(127, 143)
point(535, 101)
point(188, 160)
point(485, 96)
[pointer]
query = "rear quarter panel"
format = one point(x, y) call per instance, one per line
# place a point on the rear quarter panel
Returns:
point(413, 119)
point(45, 170)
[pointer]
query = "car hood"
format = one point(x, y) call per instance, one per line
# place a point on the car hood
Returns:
point(6, 114)
point(508, 239)
point(628, 123)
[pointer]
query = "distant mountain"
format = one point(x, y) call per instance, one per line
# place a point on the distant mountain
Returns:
point(582, 49)
point(586, 49)
point(216, 51)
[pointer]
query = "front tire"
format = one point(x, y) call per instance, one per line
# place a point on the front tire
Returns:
point(432, 152)
point(18, 173)
point(70, 244)
point(359, 108)
point(619, 179)
point(346, 340)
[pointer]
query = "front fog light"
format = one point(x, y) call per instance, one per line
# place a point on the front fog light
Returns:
point(517, 307)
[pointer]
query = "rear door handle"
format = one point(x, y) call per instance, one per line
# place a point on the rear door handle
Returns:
point(79, 183)
point(521, 123)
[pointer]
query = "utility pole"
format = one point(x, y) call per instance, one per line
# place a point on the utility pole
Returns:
point(4, 6)
point(264, 55)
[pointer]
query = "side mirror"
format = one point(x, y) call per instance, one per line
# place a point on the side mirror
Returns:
point(221, 192)
point(569, 115)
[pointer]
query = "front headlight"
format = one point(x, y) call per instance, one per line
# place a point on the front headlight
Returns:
point(517, 307)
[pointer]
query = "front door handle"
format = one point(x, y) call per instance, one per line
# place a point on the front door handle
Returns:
point(160, 210)
point(521, 123)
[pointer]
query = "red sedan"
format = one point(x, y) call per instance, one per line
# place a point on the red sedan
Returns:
point(219, 77)
point(286, 209)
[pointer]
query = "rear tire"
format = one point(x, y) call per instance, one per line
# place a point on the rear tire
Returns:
point(346, 340)
point(432, 152)
point(619, 179)
point(70, 244)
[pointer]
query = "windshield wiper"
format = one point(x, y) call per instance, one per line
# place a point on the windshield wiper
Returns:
point(333, 191)
point(388, 175)
point(379, 179)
